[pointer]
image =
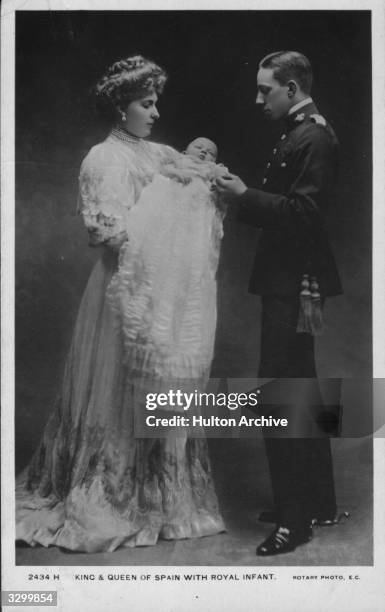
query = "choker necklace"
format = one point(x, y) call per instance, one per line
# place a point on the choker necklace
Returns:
point(121, 134)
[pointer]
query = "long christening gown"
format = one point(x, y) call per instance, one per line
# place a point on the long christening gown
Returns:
point(92, 484)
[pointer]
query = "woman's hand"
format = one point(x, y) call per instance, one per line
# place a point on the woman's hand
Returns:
point(115, 242)
point(230, 184)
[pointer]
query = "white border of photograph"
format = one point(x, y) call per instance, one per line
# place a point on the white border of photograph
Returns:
point(364, 595)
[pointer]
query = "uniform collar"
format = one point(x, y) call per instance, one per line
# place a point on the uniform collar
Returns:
point(299, 112)
point(299, 105)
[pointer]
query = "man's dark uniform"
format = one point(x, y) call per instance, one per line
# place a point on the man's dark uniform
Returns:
point(290, 207)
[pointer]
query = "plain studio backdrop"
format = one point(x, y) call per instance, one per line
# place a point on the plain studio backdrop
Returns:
point(211, 58)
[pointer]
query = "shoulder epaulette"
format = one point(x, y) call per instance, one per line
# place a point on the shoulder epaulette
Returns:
point(318, 119)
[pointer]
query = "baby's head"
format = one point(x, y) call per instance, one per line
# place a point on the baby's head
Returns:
point(202, 149)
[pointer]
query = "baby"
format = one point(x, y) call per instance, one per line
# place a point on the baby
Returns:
point(203, 149)
point(198, 160)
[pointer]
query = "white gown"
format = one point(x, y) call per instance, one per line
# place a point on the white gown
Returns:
point(164, 291)
point(92, 484)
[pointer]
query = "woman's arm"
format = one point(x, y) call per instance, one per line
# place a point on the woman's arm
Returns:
point(106, 193)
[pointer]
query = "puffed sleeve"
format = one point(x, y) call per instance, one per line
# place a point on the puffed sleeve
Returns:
point(106, 193)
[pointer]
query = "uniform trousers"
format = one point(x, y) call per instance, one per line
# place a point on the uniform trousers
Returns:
point(300, 466)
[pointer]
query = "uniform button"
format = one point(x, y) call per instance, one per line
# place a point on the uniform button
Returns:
point(283, 136)
point(264, 181)
point(283, 165)
point(268, 165)
point(274, 151)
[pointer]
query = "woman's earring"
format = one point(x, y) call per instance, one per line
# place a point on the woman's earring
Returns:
point(123, 116)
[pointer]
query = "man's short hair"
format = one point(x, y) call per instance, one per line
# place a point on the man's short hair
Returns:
point(290, 65)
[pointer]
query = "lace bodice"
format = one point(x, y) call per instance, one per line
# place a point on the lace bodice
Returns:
point(111, 180)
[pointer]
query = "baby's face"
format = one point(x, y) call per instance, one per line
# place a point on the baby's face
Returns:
point(202, 149)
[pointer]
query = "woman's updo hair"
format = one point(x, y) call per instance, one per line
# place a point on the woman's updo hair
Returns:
point(128, 80)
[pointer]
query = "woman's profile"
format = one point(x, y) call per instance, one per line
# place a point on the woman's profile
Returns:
point(92, 484)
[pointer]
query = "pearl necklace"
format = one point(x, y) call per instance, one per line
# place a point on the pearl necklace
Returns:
point(121, 134)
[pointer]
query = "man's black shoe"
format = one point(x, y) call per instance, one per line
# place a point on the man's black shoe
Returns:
point(269, 516)
point(329, 522)
point(283, 540)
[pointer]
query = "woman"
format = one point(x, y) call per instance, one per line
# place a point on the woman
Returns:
point(92, 485)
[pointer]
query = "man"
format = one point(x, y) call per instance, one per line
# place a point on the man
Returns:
point(293, 242)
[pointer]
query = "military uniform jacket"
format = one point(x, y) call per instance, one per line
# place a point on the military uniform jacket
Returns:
point(297, 188)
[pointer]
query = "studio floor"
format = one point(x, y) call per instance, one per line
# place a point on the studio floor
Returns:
point(243, 488)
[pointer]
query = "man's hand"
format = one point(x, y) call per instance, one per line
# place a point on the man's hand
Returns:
point(231, 185)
